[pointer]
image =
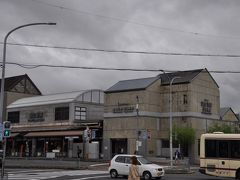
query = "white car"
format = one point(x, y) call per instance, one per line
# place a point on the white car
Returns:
point(120, 164)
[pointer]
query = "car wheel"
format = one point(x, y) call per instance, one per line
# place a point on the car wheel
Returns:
point(113, 173)
point(147, 176)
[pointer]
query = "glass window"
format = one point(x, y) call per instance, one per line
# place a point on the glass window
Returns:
point(120, 159)
point(235, 149)
point(14, 116)
point(210, 148)
point(223, 149)
point(128, 160)
point(185, 99)
point(144, 161)
point(165, 143)
point(198, 147)
point(80, 113)
point(61, 113)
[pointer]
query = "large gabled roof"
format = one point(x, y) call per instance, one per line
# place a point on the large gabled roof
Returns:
point(55, 99)
point(10, 82)
point(185, 76)
point(132, 84)
point(143, 83)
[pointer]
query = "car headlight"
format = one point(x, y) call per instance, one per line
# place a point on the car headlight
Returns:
point(159, 169)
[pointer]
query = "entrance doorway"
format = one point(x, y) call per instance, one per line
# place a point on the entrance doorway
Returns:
point(119, 146)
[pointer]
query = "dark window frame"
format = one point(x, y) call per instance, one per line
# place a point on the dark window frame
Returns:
point(185, 99)
point(62, 113)
point(14, 116)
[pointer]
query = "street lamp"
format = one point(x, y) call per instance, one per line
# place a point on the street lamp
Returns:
point(137, 139)
point(3, 80)
point(170, 120)
point(4, 62)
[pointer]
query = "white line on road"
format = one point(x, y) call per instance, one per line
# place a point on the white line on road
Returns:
point(93, 177)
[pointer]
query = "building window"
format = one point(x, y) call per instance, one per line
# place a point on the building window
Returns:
point(185, 101)
point(61, 113)
point(198, 147)
point(206, 107)
point(80, 113)
point(165, 143)
point(14, 116)
point(36, 117)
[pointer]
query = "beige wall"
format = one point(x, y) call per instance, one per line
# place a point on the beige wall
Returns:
point(154, 111)
point(204, 87)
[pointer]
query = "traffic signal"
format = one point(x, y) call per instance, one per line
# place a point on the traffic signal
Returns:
point(6, 129)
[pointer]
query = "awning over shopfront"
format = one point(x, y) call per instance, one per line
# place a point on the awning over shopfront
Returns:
point(54, 133)
point(14, 134)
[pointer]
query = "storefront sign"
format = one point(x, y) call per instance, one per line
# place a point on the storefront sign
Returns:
point(126, 109)
point(36, 117)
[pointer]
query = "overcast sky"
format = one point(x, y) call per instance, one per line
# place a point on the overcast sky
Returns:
point(172, 26)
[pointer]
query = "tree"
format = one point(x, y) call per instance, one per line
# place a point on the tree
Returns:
point(185, 135)
point(220, 127)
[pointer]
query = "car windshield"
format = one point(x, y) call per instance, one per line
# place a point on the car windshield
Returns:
point(144, 161)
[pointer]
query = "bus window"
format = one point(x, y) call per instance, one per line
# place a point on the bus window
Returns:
point(210, 148)
point(223, 149)
point(235, 149)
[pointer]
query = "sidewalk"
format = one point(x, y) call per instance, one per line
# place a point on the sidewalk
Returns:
point(90, 164)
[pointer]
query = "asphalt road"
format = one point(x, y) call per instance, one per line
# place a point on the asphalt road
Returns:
point(56, 174)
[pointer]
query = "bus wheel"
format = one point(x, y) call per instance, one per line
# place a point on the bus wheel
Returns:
point(238, 174)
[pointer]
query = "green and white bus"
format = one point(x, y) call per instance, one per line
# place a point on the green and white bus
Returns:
point(220, 155)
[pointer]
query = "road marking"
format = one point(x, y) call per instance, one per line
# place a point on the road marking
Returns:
point(93, 177)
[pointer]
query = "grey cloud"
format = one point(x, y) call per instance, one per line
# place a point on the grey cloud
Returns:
point(80, 29)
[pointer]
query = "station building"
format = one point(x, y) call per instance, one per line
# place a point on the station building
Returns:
point(139, 109)
point(53, 125)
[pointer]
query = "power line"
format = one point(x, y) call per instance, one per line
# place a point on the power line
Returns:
point(136, 23)
point(33, 66)
point(127, 51)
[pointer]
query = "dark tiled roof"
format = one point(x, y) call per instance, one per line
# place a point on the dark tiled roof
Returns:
point(140, 84)
point(133, 84)
point(185, 76)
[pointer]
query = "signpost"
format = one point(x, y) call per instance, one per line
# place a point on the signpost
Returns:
point(5, 133)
